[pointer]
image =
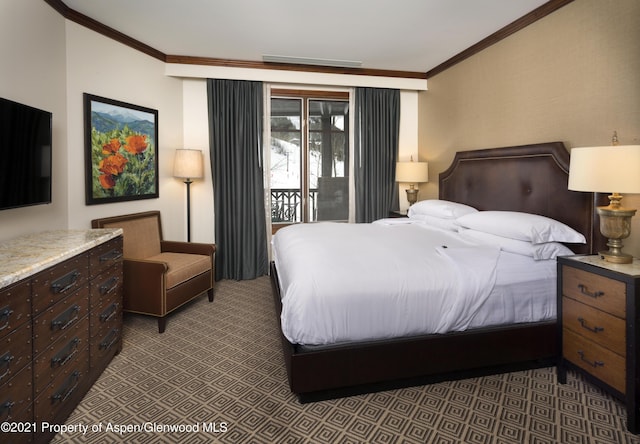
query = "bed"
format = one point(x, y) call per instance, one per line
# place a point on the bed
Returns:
point(342, 360)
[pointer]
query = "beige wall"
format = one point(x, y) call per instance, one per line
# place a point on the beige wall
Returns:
point(49, 62)
point(573, 76)
point(103, 67)
point(33, 72)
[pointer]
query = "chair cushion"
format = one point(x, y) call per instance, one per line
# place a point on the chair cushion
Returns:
point(182, 266)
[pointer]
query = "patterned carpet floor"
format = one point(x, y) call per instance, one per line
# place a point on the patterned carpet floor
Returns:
point(217, 376)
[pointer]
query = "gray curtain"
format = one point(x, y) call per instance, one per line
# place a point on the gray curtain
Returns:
point(235, 143)
point(377, 126)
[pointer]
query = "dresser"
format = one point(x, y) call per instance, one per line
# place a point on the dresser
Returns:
point(60, 324)
point(598, 329)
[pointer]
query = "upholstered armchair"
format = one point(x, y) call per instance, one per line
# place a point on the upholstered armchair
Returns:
point(160, 276)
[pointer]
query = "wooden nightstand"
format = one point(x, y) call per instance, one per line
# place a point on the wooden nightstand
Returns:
point(398, 214)
point(598, 326)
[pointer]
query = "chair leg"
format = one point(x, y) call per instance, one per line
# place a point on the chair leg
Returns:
point(210, 294)
point(162, 324)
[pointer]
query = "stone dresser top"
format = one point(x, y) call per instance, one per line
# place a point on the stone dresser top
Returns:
point(26, 255)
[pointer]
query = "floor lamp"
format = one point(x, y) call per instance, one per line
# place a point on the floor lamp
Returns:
point(188, 165)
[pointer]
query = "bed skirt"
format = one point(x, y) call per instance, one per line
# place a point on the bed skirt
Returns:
point(349, 369)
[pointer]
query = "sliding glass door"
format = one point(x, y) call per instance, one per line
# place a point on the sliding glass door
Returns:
point(309, 157)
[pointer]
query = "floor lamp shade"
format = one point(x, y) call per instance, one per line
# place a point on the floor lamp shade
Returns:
point(609, 169)
point(187, 165)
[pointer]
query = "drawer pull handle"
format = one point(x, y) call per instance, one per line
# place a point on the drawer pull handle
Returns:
point(65, 355)
point(6, 406)
point(112, 255)
point(5, 360)
point(593, 329)
point(585, 291)
point(66, 318)
point(66, 282)
point(591, 363)
point(70, 385)
point(109, 285)
point(4, 314)
point(110, 339)
point(109, 313)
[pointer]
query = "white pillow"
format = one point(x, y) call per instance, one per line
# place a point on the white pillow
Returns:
point(438, 222)
point(521, 226)
point(548, 250)
point(440, 208)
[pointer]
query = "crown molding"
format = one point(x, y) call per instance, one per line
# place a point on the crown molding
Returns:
point(94, 25)
point(207, 61)
point(88, 22)
point(526, 20)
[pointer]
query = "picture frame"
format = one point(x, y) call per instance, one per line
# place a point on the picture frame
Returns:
point(121, 151)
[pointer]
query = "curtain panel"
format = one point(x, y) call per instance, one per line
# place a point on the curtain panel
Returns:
point(235, 144)
point(377, 128)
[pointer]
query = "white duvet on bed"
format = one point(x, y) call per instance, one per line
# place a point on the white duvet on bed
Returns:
point(353, 282)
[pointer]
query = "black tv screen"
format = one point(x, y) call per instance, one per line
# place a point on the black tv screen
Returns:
point(25, 155)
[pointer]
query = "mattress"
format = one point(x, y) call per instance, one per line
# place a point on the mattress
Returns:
point(343, 283)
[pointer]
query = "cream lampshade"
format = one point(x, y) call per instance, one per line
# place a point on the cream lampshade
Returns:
point(609, 169)
point(412, 173)
point(188, 165)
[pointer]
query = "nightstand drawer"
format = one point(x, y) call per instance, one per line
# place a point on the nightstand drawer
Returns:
point(596, 325)
point(597, 291)
point(596, 360)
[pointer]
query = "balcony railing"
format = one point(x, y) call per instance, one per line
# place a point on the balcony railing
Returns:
point(286, 205)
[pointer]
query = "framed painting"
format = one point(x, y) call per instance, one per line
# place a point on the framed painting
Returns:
point(121, 151)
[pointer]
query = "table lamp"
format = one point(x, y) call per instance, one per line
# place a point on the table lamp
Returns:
point(609, 169)
point(412, 173)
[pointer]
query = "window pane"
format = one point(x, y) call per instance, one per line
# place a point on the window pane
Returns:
point(328, 159)
point(286, 202)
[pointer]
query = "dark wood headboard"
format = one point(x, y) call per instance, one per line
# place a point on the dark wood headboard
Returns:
point(528, 178)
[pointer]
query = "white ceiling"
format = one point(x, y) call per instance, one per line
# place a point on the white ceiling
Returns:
point(405, 35)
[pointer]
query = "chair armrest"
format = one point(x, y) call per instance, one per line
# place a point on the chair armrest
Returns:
point(145, 266)
point(144, 286)
point(187, 247)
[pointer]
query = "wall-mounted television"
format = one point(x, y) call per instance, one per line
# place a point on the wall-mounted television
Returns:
point(25, 155)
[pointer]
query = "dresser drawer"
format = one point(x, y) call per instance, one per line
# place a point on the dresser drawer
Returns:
point(15, 396)
point(15, 306)
point(60, 357)
point(61, 321)
point(107, 315)
point(597, 291)
point(104, 256)
point(55, 283)
point(16, 406)
point(106, 288)
point(106, 344)
point(600, 327)
point(595, 359)
point(60, 398)
point(15, 352)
